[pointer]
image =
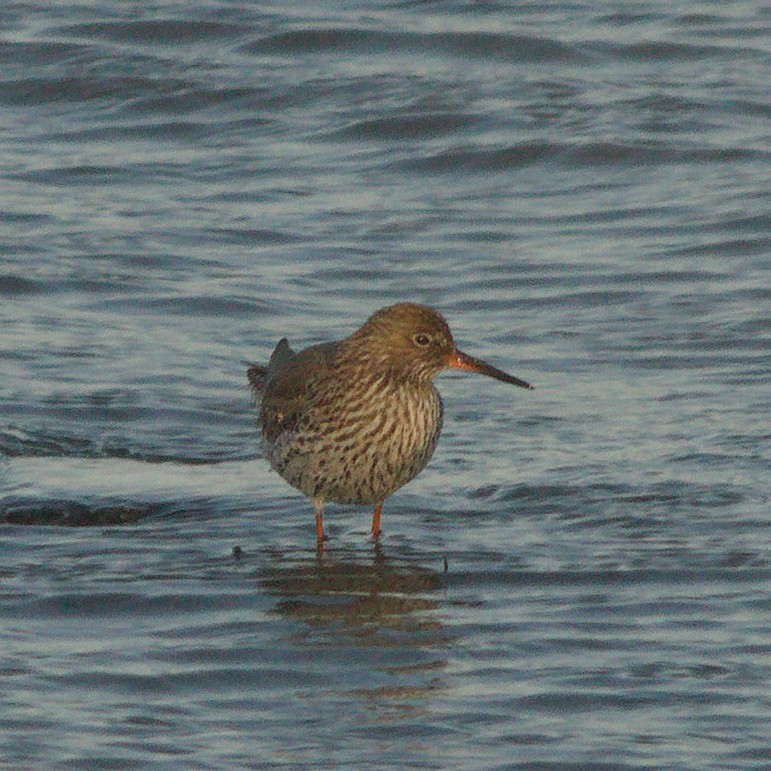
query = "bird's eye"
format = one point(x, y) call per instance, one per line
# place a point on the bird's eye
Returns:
point(421, 339)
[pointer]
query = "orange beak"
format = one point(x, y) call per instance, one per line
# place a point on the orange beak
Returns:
point(460, 360)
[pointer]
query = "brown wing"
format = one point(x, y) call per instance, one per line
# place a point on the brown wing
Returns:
point(290, 382)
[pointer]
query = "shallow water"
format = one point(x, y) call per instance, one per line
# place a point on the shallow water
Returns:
point(580, 578)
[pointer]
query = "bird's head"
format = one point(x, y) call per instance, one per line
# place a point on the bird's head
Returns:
point(414, 341)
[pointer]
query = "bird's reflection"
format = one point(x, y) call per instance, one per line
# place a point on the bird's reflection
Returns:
point(353, 599)
point(355, 588)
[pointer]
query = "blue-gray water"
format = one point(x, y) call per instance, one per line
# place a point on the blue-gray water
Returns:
point(581, 188)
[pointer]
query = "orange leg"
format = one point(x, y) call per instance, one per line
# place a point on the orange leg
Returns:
point(376, 520)
point(320, 522)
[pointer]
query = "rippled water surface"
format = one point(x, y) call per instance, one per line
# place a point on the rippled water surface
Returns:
point(580, 578)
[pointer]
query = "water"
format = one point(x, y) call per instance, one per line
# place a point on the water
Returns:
point(580, 579)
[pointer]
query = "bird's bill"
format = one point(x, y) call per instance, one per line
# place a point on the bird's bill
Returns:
point(460, 360)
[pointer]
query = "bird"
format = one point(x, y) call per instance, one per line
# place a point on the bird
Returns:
point(352, 421)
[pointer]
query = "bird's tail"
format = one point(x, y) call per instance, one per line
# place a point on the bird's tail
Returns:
point(256, 375)
point(281, 357)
